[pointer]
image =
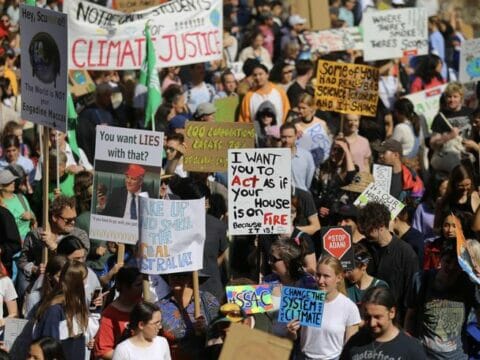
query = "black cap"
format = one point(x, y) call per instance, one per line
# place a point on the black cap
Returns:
point(348, 211)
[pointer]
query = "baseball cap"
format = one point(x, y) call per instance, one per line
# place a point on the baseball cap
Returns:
point(177, 122)
point(296, 20)
point(389, 145)
point(348, 211)
point(6, 177)
point(135, 170)
point(204, 109)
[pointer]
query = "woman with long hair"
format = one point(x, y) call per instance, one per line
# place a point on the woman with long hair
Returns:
point(407, 130)
point(46, 348)
point(144, 342)
point(255, 50)
point(63, 314)
point(341, 318)
point(427, 74)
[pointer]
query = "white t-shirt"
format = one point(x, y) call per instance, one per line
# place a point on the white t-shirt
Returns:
point(128, 351)
point(405, 135)
point(7, 292)
point(326, 342)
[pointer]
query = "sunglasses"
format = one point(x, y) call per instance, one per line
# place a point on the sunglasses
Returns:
point(67, 221)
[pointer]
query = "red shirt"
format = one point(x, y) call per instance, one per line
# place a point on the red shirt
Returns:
point(112, 325)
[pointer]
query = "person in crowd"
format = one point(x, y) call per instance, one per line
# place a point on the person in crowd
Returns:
point(143, 341)
point(256, 50)
point(407, 130)
point(304, 70)
point(380, 336)
point(14, 128)
point(347, 216)
point(175, 149)
point(296, 27)
point(197, 91)
point(76, 162)
point(359, 145)
point(345, 12)
point(229, 84)
point(265, 124)
point(46, 348)
point(12, 155)
point(11, 242)
point(263, 90)
point(169, 76)
point(282, 74)
point(306, 219)
point(205, 112)
point(337, 327)
point(428, 73)
point(436, 42)
point(405, 232)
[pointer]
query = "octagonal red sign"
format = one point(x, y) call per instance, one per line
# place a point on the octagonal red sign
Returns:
point(337, 242)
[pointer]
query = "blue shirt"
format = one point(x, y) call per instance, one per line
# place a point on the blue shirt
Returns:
point(303, 169)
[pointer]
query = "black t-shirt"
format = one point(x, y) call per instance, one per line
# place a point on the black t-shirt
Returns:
point(459, 119)
point(362, 346)
point(417, 241)
point(294, 92)
point(306, 207)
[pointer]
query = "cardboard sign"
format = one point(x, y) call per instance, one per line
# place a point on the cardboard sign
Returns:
point(300, 304)
point(337, 242)
point(226, 108)
point(334, 40)
point(183, 32)
point(382, 175)
point(245, 343)
point(208, 142)
point(316, 140)
point(427, 102)
point(172, 235)
point(259, 191)
point(44, 67)
point(82, 83)
point(470, 61)
point(129, 6)
point(393, 34)
point(116, 150)
point(251, 298)
point(374, 193)
point(347, 88)
point(316, 12)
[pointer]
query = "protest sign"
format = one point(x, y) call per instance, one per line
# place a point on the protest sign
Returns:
point(382, 175)
point(252, 299)
point(466, 250)
point(207, 144)
point(14, 332)
point(242, 342)
point(347, 88)
point(127, 162)
point(172, 235)
point(337, 242)
point(129, 6)
point(470, 61)
point(392, 34)
point(316, 140)
point(259, 191)
point(374, 193)
point(183, 32)
point(81, 81)
point(304, 305)
point(427, 102)
point(44, 67)
point(314, 11)
point(331, 40)
point(226, 108)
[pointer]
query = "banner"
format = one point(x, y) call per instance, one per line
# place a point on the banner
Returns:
point(129, 6)
point(334, 40)
point(259, 191)
point(347, 88)
point(127, 163)
point(382, 175)
point(427, 102)
point(393, 34)
point(183, 32)
point(252, 299)
point(172, 235)
point(316, 140)
point(337, 242)
point(470, 61)
point(208, 142)
point(374, 193)
point(300, 304)
point(44, 67)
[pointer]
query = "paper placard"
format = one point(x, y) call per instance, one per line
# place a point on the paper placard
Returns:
point(208, 142)
point(44, 49)
point(259, 191)
point(116, 150)
point(374, 193)
point(81, 81)
point(347, 88)
point(252, 299)
point(427, 102)
point(172, 235)
point(300, 304)
point(337, 242)
point(392, 34)
point(183, 32)
point(470, 61)
point(382, 175)
point(327, 41)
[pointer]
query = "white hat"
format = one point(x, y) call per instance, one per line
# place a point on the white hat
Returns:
point(296, 20)
point(6, 177)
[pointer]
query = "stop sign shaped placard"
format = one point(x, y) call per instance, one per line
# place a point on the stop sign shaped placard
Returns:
point(337, 242)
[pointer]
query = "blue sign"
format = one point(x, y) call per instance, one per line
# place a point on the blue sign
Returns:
point(304, 305)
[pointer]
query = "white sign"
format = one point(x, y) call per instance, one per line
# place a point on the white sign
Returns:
point(259, 191)
point(392, 34)
point(427, 102)
point(127, 162)
point(470, 61)
point(382, 176)
point(44, 66)
point(183, 32)
point(172, 235)
point(374, 193)
point(316, 140)
point(334, 40)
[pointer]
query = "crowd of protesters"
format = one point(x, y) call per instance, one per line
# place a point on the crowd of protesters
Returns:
point(406, 297)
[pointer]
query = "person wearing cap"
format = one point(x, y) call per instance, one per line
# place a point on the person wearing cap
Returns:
point(406, 183)
point(175, 149)
point(205, 112)
point(297, 26)
point(123, 201)
point(263, 90)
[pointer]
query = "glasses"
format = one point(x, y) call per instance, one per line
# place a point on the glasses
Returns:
point(67, 221)
point(170, 149)
point(272, 259)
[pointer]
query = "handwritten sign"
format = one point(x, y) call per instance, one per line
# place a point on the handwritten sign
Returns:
point(251, 298)
point(470, 61)
point(337, 242)
point(116, 151)
point(382, 176)
point(327, 41)
point(374, 193)
point(427, 102)
point(347, 88)
point(259, 191)
point(207, 144)
point(82, 83)
point(172, 235)
point(316, 140)
point(395, 33)
point(300, 304)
